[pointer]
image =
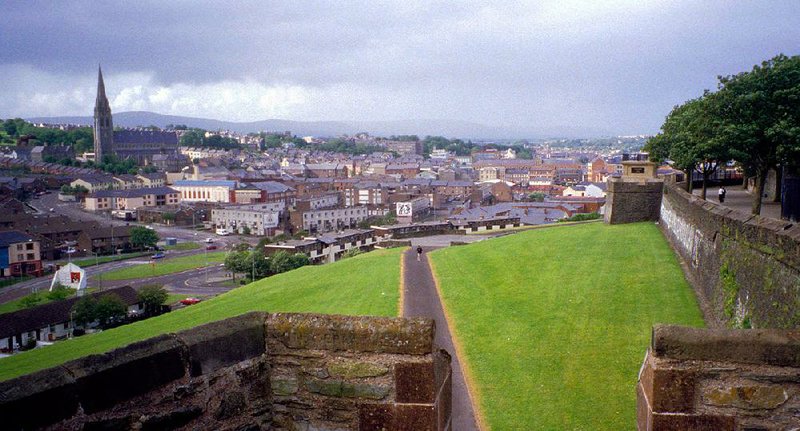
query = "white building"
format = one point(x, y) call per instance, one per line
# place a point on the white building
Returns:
point(259, 219)
point(327, 220)
point(206, 191)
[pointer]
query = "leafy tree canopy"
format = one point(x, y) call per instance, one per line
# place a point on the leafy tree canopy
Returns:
point(142, 237)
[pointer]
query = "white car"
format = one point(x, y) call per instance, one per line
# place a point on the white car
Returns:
point(209, 240)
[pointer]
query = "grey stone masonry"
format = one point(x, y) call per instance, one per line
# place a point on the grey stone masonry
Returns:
point(629, 201)
point(257, 371)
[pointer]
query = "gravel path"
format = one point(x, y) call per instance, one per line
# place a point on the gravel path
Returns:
point(422, 300)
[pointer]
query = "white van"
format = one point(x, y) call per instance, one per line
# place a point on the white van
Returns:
point(221, 231)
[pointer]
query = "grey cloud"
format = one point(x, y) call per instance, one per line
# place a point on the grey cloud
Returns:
point(617, 66)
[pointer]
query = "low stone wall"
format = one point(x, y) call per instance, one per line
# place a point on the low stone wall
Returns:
point(745, 269)
point(718, 380)
point(255, 371)
point(632, 201)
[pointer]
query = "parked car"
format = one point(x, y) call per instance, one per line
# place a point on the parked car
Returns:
point(158, 255)
point(190, 300)
point(211, 247)
point(209, 240)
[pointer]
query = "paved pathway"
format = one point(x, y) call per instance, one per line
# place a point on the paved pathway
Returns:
point(738, 199)
point(422, 300)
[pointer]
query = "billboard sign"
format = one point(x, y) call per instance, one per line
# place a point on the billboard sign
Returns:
point(404, 209)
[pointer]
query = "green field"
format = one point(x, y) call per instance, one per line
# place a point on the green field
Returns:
point(183, 246)
point(14, 280)
point(364, 285)
point(8, 307)
point(159, 267)
point(91, 261)
point(554, 323)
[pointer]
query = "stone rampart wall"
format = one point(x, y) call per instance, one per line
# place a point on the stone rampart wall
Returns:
point(719, 380)
point(745, 269)
point(252, 372)
point(632, 201)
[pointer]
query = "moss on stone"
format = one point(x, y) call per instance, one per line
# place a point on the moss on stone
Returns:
point(354, 369)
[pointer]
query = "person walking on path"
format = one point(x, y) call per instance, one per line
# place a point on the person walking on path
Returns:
point(721, 194)
point(419, 253)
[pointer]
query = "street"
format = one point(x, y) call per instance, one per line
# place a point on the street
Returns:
point(206, 281)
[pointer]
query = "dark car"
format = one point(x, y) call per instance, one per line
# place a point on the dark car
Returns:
point(211, 247)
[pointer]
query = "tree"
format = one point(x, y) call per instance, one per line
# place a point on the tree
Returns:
point(259, 264)
point(690, 137)
point(142, 237)
point(242, 246)
point(353, 252)
point(246, 230)
point(263, 242)
point(83, 312)
point(237, 261)
point(760, 113)
point(168, 217)
point(59, 293)
point(283, 261)
point(152, 298)
point(536, 197)
point(31, 300)
point(109, 309)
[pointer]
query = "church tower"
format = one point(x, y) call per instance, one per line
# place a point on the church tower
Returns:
point(103, 126)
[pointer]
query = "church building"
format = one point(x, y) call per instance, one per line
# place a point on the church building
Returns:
point(137, 144)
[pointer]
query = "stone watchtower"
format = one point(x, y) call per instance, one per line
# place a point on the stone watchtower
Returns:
point(103, 125)
point(636, 195)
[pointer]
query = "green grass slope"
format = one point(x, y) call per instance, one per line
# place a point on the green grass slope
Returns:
point(159, 267)
point(554, 323)
point(363, 285)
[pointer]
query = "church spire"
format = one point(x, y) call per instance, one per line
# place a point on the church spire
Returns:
point(103, 124)
point(101, 88)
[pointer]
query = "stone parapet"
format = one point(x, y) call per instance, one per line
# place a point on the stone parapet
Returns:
point(745, 269)
point(630, 201)
point(254, 371)
point(700, 379)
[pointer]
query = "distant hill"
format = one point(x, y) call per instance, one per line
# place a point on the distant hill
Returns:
point(448, 128)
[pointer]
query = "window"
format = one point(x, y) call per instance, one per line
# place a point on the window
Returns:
point(19, 246)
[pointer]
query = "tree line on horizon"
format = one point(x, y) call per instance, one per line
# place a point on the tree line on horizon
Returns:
point(752, 120)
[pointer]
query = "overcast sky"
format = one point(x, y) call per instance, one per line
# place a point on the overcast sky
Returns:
point(609, 65)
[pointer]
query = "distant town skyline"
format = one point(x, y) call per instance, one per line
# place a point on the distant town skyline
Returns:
point(611, 66)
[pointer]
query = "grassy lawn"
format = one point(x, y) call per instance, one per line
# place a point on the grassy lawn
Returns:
point(91, 261)
point(14, 280)
point(172, 298)
point(554, 323)
point(165, 266)
point(183, 246)
point(364, 285)
point(8, 307)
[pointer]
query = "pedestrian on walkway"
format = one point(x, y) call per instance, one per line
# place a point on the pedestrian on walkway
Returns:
point(419, 253)
point(721, 194)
